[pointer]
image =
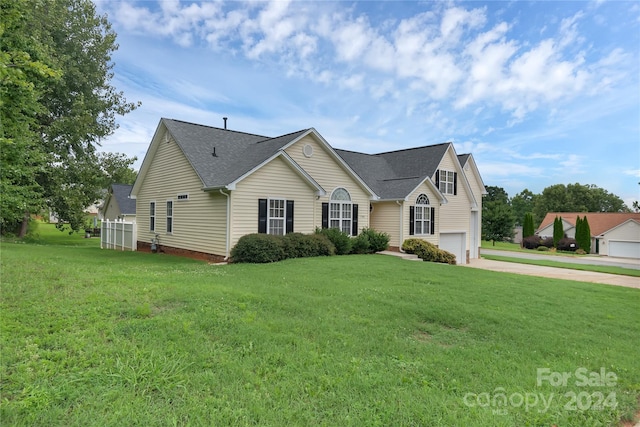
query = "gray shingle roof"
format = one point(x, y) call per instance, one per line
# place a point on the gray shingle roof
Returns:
point(394, 174)
point(462, 158)
point(236, 152)
point(391, 175)
point(121, 193)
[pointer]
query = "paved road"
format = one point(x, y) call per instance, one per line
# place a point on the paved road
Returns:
point(592, 260)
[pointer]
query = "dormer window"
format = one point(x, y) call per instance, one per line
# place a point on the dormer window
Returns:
point(447, 181)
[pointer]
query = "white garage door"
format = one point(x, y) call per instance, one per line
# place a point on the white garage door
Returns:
point(454, 243)
point(624, 249)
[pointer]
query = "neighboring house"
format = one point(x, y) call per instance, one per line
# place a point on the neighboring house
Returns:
point(118, 204)
point(201, 188)
point(612, 233)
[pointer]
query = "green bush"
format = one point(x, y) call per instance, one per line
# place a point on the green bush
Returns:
point(543, 249)
point(428, 251)
point(298, 245)
point(340, 239)
point(410, 245)
point(378, 241)
point(360, 244)
point(258, 248)
point(321, 244)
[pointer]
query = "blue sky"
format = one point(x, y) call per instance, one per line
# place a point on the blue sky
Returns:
point(540, 92)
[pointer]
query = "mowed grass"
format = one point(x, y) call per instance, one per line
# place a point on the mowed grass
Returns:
point(106, 338)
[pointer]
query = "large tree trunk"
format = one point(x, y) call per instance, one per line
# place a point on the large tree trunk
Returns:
point(24, 227)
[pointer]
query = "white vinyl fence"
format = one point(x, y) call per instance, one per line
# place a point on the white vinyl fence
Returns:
point(118, 234)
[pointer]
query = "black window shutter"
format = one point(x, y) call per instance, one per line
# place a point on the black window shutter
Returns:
point(438, 179)
point(433, 220)
point(412, 220)
point(354, 220)
point(289, 216)
point(262, 215)
point(325, 215)
point(455, 183)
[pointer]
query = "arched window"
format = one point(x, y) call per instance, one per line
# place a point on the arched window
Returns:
point(422, 215)
point(340, 210)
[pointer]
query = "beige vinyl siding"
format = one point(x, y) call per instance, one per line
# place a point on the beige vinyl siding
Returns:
point(112, 210)
point(455, 215)
point(330, 175)
point(476, 189)
point(275, 180)
point(434, 202)
point(385, 217)
point(199, 224)
point(628, 231)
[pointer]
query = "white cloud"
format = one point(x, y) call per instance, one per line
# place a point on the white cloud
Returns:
point(632, 172)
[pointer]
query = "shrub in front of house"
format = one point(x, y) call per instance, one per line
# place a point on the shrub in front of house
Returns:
point(378, 241)
point(360, 244)
point(543, 249)
point(258, 248)
point(298, 245)
point(547, 242)
point(532, 242)
point(428, 251)
point(410, 245)
point(567, 244)
point(340, 239)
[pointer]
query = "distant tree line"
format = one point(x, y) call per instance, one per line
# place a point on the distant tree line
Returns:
point(500, 214)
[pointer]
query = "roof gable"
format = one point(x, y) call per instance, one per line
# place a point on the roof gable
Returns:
point(394, 175)
point(121, 193)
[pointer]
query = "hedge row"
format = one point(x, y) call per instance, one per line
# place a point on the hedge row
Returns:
point(262, 248)
point(428, 251)
point(564, 244)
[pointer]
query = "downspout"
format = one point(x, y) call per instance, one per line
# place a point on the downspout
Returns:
point(401, 225)
point(227, 237)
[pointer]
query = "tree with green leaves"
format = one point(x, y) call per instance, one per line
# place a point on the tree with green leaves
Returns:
point(576, 198)
point(558, 231)
point(57, 104)
point(116, 169)
point(523, 203)
point(583, 234)
point(528, 228)
point(497, 216)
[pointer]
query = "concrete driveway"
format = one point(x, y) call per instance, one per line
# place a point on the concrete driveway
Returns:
point(559, 273)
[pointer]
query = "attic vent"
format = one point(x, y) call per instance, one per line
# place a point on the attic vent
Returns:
point(307, 150)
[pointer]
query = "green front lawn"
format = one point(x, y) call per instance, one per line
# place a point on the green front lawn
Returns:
point(108, 338)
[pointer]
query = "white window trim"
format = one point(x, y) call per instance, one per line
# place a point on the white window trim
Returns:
point(155, 210)
point(170, 216)
point(341, 205)
point(283, 218)
point(446, 183)
point(425, 224)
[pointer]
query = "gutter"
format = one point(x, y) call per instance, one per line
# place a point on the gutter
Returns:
point(228, 233)
point(401, 224)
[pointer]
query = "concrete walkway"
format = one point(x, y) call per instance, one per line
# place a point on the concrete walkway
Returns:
point(542, 271)
point(556, 273)
point(588, 260)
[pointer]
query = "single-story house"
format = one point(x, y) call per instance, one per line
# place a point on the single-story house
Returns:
point(118, 204)
point(612, 233)
point(201, 188)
